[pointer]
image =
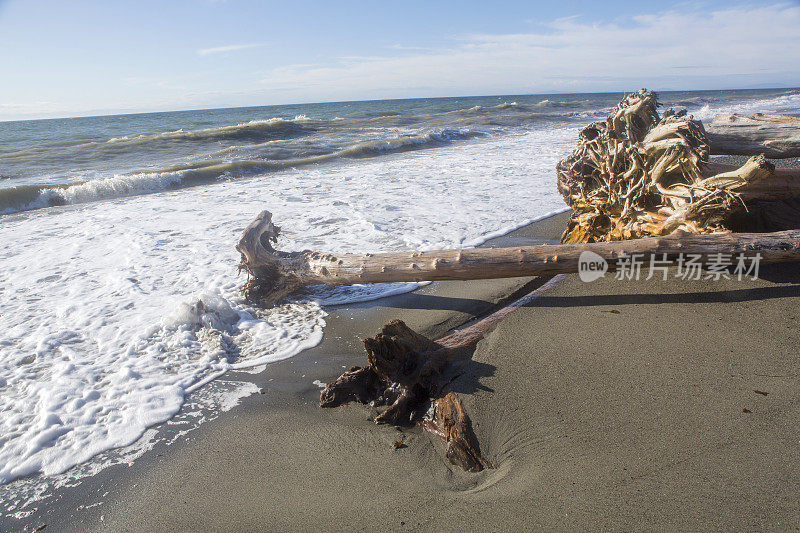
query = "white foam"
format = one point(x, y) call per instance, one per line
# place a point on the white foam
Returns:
point(785, 103)
point(123, 185)
point(117, 186)
point(114, 311)
point(24, 495)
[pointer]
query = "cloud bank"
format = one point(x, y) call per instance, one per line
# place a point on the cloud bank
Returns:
point(685, 47)
point(691, 49)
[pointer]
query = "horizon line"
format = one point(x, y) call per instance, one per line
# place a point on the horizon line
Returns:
point(189, 110)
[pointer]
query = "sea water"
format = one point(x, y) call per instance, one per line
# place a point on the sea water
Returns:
point(118, 275)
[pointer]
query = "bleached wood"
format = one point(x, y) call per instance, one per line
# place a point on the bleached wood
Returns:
point(640, 176)
point(276, 274)
point(780, 184)
point(775, 136)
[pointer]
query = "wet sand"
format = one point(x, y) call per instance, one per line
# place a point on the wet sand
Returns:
point(614, 404)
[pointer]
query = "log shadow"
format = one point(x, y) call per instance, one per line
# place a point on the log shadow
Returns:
point(465, 375)
point(702, 297)
point(780, 272)
point(476, 307)
point(473, 306)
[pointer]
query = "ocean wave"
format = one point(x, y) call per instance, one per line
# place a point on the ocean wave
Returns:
point(406, 142)
point(696, 101)
point(562, 104)
point(373, 114)
point(27, 198)
point(252, 131)
point(258, 129)
point(707, 109)
point(479, 109)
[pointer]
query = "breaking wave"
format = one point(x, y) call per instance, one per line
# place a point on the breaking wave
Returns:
point(705, 108)
point(562, 104)
point(479, 109)
point(272, 128)
point(27, 197)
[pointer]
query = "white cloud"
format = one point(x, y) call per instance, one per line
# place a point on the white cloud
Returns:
point(687, 48)
point(227, 48)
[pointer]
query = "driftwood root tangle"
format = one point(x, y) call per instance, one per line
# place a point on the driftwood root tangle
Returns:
point(638, 175)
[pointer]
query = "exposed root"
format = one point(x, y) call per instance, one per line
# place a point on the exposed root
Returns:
point(462, 446)
point(636, 176)
point(407, 371)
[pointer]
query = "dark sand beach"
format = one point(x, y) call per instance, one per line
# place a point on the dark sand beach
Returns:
point(614, 404)
point(218, 215)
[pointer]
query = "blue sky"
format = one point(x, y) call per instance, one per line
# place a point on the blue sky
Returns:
point(97, 57)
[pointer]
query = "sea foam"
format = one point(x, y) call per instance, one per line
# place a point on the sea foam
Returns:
point(27, 198)
point(785, 103)
point(114, 311)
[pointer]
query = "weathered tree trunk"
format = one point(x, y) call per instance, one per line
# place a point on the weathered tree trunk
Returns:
point(775, 136)
point(275, 274)
point(411, 373)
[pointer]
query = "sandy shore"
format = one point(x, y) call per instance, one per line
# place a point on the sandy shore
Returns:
point(614, 404)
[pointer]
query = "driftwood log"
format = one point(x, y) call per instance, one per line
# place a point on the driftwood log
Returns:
point(411, 374)
point(637, 175)
point(274, 274)
point(775, 136)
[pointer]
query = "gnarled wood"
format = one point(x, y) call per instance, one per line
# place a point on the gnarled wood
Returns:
point(409, 372)
point(626, 183)
point(275, 274)
point(455, 427)
point(775, 136)
point(782, 184)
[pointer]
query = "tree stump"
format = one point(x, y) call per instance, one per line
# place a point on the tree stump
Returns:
point(411, 374)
